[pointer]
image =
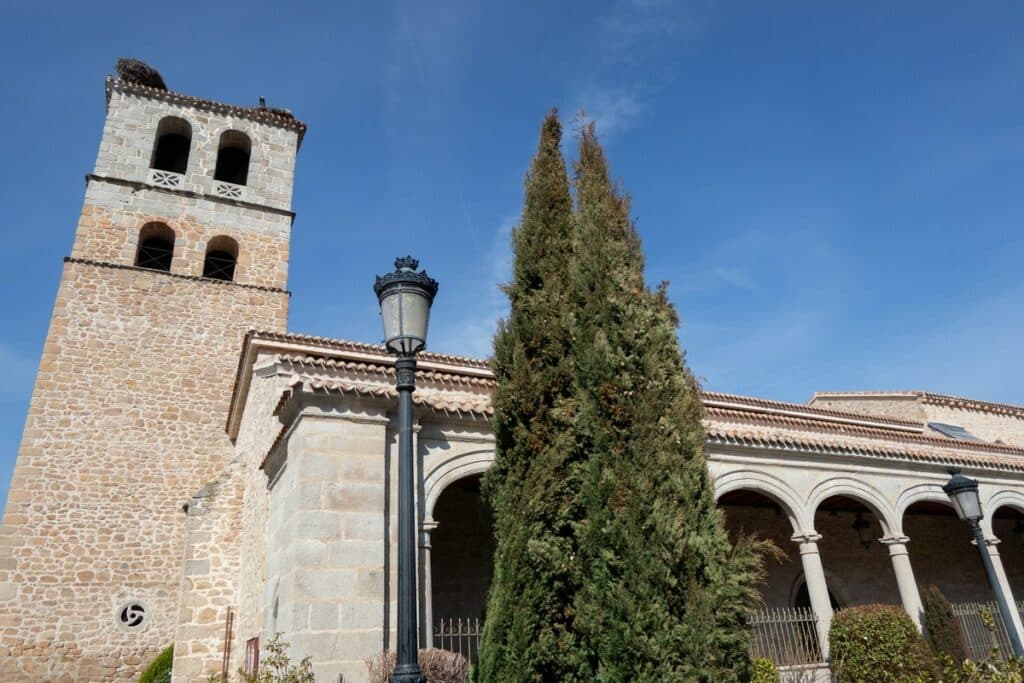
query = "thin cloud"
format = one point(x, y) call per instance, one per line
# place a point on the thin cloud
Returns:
point(471, 333)
point(612, 110)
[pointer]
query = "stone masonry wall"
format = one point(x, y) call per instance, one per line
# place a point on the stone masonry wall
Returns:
point(210, 568)
point(125, 424)
point(897, 407)
point(1007, 429)
point(113, 216)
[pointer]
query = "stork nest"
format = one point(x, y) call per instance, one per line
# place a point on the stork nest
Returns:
point(139, 72)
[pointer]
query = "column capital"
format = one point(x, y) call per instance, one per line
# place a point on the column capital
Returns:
point(898, 546)
point(428, 525)
point(894, 540)
point(807, 536)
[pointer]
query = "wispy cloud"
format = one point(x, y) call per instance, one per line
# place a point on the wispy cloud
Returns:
point(481, 303)
point(628, 48)
point(632, 24)
point(611, 109)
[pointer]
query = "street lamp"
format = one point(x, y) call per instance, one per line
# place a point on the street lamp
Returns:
point(405, 297)
point(963, 492)
point(863, 529)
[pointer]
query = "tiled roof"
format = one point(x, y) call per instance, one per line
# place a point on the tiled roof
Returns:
point(457, 384)
point(335, 365)
point(961, 402)
point(262, 115)
point(345, 345)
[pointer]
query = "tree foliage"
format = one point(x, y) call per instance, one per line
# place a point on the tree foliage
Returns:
point(533, 488)
point(945, 634)
point(665, 597)
point(612, 562)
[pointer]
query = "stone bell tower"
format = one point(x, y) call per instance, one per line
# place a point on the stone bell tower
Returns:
point(181, 247)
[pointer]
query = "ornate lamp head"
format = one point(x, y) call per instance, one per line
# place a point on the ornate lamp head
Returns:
point(405, 298)
point(963, 493)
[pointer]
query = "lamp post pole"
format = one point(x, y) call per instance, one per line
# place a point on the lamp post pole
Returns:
point(405, 298)
point(407, 669)
point(993, 579)
point(963, 493)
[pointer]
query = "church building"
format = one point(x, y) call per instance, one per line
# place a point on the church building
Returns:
point(193, 473)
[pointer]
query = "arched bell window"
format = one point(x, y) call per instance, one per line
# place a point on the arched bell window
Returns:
point(171, 149)
point(233, 158)
point(156, 247)
point(221, 258)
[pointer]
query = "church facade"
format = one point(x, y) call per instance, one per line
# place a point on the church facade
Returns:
point(192, 473)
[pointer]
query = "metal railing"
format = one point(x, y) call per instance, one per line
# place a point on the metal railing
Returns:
point(786, 635)
point(460, 635)
point(983, 629)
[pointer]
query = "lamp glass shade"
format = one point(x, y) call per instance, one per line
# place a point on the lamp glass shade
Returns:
point(405, 297)
point(963, 493)
point(405, 311)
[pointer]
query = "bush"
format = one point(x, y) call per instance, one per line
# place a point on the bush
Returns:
point(159, 670)
point(943, 628)
point(439, 666)
point(878, 644)
point(276, 667)
point(763, 671)
point(995, 671)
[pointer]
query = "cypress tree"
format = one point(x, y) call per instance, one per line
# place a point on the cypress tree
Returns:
point(665, 597)
point(534, 486)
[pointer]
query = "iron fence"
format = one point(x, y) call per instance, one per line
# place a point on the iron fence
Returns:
point(460, 635)
point(983, 628)
point(786, 635)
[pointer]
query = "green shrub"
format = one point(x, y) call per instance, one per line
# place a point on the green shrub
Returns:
point(159, 670)
point(878, 644)
point(763, 671)
point(945, 634)
point(994, 671)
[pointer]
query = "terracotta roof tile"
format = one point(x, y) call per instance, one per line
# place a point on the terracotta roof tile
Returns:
point(345, 345)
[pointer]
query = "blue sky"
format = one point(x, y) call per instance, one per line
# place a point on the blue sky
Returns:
point(834, 190)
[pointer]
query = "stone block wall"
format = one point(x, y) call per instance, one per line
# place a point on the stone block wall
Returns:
point(326, 531)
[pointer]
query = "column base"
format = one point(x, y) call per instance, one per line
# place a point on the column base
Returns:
point(408, 676)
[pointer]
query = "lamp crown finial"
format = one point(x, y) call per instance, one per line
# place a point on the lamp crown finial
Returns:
point(406, 263)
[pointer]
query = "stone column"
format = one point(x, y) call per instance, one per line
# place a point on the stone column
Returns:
point(990, 547)
point(426, 587)
point(909, 594)
point(817, 588)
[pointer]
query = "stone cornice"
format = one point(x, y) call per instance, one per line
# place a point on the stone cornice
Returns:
point(191, 194)
point(162, 273)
